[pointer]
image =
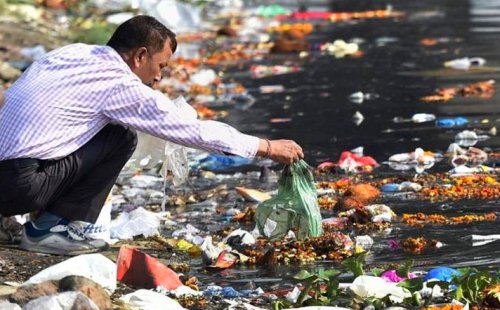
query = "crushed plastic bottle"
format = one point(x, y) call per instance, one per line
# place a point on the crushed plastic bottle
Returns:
point(465, 63)
point(423, 117)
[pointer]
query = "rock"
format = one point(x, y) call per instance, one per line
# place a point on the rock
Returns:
point(8, 73)
point(29, 292)
point(11, 228)
point(88, 287)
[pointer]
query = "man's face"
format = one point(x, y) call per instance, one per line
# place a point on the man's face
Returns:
point(149, 66)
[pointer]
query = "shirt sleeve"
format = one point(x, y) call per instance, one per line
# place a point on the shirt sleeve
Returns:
point(142, 108)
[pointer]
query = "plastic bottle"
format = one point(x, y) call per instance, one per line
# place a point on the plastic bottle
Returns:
point(423, 117)
point(465, 63)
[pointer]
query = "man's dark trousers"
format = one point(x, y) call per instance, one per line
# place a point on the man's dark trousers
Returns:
point(74, 187)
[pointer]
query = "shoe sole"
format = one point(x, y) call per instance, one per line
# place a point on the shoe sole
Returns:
point(31, 246)
point(47, 250)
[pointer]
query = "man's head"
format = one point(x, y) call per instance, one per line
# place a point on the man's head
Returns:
point(146, 45)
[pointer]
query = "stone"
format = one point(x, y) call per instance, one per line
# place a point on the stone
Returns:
point(91, 289)
point(29, 292)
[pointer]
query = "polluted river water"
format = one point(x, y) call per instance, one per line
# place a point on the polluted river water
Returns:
point(397, 69)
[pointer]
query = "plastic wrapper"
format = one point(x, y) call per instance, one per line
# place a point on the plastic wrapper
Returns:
point(294, 207)
point(176, 160)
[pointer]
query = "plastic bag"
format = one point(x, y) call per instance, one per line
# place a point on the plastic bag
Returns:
point(176, 160)
point(294, 207)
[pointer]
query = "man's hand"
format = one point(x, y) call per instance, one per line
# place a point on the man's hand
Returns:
point(282, 151)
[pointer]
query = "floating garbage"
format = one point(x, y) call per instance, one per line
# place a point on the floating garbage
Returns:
point(469, 138)
point(451, 122)
point(267, 89)
point(418, 160)
point(260, 71)
point(358, 118)
point(482, 89)
point(358, 97)
point(464, 170)
point(416, 118)
point(380, 213)
point(465, 63)
point(480, 240)
point(401, 187)
point(340, 48)
point(352, 162)
point(252, 195)
point(470, 157)
point(423, 117)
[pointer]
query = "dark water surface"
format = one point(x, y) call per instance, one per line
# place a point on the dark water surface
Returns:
point(397, 68)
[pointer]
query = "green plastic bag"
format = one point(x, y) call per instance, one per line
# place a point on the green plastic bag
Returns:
point(294, 207)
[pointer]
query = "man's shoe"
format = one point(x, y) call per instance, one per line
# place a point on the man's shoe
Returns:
point(10, 230)
point(62, 239)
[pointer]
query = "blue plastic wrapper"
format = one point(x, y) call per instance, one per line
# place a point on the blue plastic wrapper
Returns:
point(218, 163)
point(441, 274)
point(451, 122)
point(227, 292)
point(390, 187)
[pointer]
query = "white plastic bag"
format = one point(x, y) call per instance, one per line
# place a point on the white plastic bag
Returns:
point(368, 286)
point(138, 222)
point(149, 300)
point(176, 155)
point(96, 267)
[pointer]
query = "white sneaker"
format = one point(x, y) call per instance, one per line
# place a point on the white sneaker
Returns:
point(62, 239)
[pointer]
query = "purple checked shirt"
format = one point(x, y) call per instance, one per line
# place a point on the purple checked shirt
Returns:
point(69, 95)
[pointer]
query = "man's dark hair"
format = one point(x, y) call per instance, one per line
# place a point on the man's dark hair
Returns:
point(142, 30)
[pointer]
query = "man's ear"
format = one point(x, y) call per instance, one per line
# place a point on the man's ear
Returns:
point(139, 56)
